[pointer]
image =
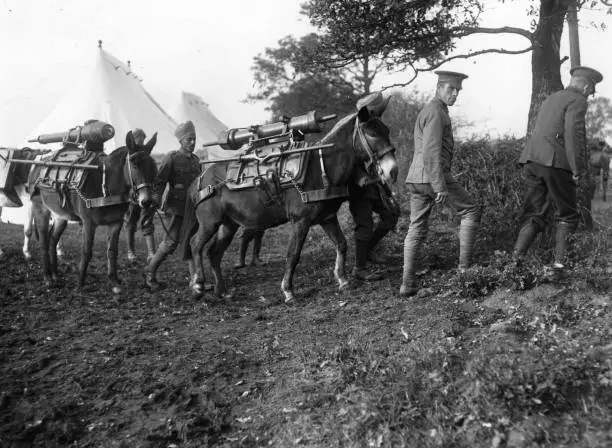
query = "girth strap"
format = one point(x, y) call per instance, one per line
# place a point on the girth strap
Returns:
point(105, 201)
point(322, 194)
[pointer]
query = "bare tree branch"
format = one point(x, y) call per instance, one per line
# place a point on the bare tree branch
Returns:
point(459, 56)
point(468, 30)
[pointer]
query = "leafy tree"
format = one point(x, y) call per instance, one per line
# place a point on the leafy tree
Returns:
point(293, 81)
point(599, 118)
point(421, 34)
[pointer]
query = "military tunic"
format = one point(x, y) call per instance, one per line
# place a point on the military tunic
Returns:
point(430, 170)
point(177, 170)
point(554, 153)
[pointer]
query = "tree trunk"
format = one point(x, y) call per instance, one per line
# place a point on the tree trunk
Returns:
point(545, 57)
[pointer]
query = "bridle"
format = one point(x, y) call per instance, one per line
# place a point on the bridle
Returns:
point(134, 189)
point(372, 159)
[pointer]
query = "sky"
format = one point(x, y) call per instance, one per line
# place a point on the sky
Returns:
point(207, 47)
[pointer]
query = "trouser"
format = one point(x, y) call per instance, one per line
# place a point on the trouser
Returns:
point(145, 216)
point(362, 203)
point(546, 185)
point(168, 245)
point(422, 201)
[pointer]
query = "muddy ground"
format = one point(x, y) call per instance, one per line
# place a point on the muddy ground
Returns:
point(456, 366)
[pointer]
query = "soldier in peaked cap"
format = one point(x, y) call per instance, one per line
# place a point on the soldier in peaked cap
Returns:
point(554, 160)
point(430, 180)
point(366, 196)
point(176, 173)
point(135, 213)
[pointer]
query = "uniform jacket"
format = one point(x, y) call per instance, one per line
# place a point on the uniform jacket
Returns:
point(433, 147)
point(559, 135)
point(177, 170)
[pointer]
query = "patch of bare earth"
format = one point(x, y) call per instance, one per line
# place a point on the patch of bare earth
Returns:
point(491, 358)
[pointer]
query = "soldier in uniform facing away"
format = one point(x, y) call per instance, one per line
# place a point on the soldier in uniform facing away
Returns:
point(553, 162)
point(177, 171)
point(430, 180)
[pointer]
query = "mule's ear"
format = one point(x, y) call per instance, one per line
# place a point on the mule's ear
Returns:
point(129, 140)
point(151, 143)
point(364, 114)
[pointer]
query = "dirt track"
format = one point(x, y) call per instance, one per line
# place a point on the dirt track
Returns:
point(86, 368)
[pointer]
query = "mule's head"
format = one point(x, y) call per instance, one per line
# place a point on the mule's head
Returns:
point(140, 170)
point(373, 146)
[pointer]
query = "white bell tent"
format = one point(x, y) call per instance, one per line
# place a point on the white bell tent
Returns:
point(207, 126)
point(114, 94)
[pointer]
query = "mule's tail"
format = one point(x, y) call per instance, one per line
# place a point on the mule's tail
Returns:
point(190, 223)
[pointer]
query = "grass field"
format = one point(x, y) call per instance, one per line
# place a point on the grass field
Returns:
point(490, 358)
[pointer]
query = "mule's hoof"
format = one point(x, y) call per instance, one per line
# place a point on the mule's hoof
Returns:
point(116, 290)
point(131, 257)
point(408, 291)
point(27, 256)
point(289, 297)
point(343, 284)
point(152, 283)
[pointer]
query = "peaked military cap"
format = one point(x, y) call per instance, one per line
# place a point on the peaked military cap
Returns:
point(375, 102)
point(184, 129)
point(455, 78)
point(587, 72)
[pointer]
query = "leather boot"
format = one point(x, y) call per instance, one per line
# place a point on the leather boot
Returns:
point(151, 269)
point(360, 271)
point(525, 238)
point(412, 246)
point(563, 232)
point(467, 236)
point(131, 253)
point(150, 241)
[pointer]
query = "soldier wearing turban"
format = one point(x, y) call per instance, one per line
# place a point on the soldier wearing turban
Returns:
point(176, 173)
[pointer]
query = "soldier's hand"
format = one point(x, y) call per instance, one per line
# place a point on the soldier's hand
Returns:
point(441, 197)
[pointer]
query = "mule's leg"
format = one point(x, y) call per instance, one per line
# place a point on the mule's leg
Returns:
point(224, 237)
point(41, 215)
point(334, 231)
point(112, 252)
point(89, 232)
point(59, 246)
point(59, 225)
point(294, 249)
point(27, 230)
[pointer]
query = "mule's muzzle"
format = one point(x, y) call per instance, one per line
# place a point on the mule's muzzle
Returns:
point(146, 203)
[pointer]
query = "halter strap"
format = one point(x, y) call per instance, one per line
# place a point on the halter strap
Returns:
point(373, 157)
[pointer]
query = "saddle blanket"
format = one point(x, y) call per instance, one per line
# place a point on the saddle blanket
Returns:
point(53, 177)
point(247, 174)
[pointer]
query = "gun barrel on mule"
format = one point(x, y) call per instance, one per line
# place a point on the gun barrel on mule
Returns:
point(235, 138)
point(51, 163)
point(247, 157)
point(92, 130)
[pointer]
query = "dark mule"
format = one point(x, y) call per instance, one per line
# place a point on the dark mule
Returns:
point(354, 137)
point(124, 172)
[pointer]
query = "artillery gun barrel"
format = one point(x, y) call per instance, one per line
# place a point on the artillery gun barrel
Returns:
point(248, 157)
point(236, 137)
point(50, 163)
point(94, 131)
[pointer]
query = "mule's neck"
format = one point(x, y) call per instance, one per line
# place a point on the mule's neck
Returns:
point(113, 177)
point(339, 161)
